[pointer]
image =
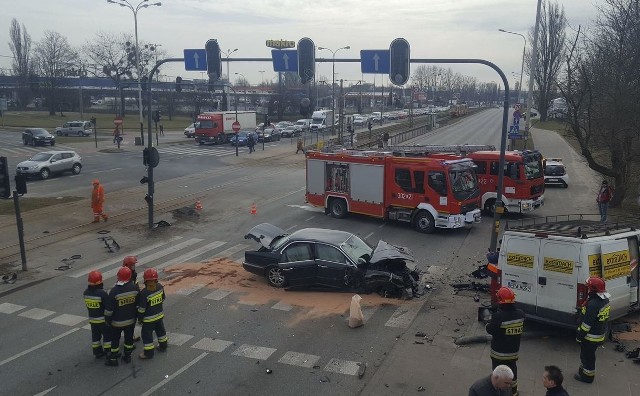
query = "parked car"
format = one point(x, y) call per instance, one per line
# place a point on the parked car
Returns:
point(260, 125)
point(292, 130)
point(555, 172)
point(242, 137)
point(34, 136)
point(269, 135)
point(282, 125)
point(75, 128)
point(46, 163)
point(360, 121)
point(190, 131)
point(330, 258)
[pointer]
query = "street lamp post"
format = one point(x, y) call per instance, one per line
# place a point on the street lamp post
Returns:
point(134, 10)
point(245, 90)
point(262, 72)
point(524, 49)
point(227, 54)
point(333, 81)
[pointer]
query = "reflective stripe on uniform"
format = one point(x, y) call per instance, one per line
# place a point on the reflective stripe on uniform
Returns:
point(150, 319)
point(512, 327)
point(123, 323)
point(594, 337)
point(504, 356)
point(588, 373)
point(164, 338)
point(98, 320)
point(148, 347)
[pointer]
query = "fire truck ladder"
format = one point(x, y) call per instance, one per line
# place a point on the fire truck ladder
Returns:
point(459, 149)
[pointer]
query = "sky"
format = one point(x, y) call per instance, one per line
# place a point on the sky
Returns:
point(433, 28)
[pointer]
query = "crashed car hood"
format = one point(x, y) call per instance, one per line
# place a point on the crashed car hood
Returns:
point(387, 251)
point(265, 233)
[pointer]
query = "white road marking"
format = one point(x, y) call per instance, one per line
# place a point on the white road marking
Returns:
point(254, 352)
point(68, 320)
point(44, 392)
point(87, 326)
point(299, 359)
point(188, 256)
point(217, 295)
point(368, 235)
point(54, 339)
point(310, 218)
point(189, 290)
point(404, 315)
point(9, 308)
point(178, 339)
point(172, 376)
point(106, 170)
point(36, 313)
point(342, 367)
point(290, 228)
point(231, 251)
point(282, 306)
point(212, 345)
point(118, 261)
point(307, 207)
point(381, 225)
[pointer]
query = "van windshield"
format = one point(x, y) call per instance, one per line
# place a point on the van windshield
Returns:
point(205, 124)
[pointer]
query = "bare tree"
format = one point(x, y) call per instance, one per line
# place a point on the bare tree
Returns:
point(20, 45)
point(551, 47)
point(52, 58)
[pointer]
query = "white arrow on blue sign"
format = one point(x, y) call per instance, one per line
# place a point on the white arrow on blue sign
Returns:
point(195, 60)
point(285, 60)
point(374, 61)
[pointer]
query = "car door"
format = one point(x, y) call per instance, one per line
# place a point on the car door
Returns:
point(56, 163)
point(334, 268)
point(298, 265)
point(67, 162)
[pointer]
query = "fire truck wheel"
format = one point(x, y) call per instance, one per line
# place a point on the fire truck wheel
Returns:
point(423, 222)
point(275, 277)
point(338, 208)
point(490, 207)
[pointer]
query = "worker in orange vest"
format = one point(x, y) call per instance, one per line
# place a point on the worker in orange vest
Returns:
point(97, 200)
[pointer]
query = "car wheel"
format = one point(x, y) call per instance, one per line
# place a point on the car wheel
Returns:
point(44, 173)
point(76, 169)
point(338, 208)
point(59, 133)
point(423, 222)
point(275, 277)
point(80, 133)
point(490, 207)
point(53, 144)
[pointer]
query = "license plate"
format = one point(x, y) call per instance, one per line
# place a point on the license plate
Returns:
point(519, 286)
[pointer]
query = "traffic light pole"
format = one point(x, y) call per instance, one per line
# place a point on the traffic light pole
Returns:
point(23, 254)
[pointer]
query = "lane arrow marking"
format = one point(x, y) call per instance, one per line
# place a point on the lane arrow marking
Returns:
point(286, 61)
point(196, 57)
point(376, 58)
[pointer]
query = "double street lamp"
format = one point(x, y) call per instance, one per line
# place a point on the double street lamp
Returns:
point(245, 90)
point(227, 54)
point(523, 53)
point(141, 5)
point(333, 80)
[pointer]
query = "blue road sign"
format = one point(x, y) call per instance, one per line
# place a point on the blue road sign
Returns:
point(374, 61)
point(195, 60)
point(285, 60)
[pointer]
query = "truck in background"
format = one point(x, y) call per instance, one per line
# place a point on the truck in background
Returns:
point(321, 120)
point(426, 193)
point(216, 127)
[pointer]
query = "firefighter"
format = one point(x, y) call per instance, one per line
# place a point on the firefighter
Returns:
point(130, 262)
point(506, 327)
point(97, 200)
point(151, 315)
point(594, 317)
point(120, 313)
point(95, 299)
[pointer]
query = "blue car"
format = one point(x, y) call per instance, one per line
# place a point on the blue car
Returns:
point(241, 138)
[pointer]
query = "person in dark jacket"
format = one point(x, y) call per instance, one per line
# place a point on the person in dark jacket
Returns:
point(95, 299)
point(552, 380)
point(120, 314)
point(493, 385)
point(593, 328)
point(506, 328)
point(251, 143)
point(151, 314)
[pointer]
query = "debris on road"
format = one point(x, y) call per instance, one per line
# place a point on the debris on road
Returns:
point(480, 287)
point(362, 367)
point(324, 379)
point(10, 278)
point(110, 244)
point(356, 318)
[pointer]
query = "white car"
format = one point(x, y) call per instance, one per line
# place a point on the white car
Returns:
point(75, 128)
point(46, 163)
point(190, 131)
point(555, 172)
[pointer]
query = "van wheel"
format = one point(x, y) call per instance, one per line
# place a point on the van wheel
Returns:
point(338, 208)
point(423, 222)
point(490, 207)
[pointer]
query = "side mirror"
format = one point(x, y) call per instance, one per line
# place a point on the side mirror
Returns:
point(361, 261)
point(53, 160)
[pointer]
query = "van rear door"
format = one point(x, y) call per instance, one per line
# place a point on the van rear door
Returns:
point(558, 281)
point(518, 262)
point(616, 272)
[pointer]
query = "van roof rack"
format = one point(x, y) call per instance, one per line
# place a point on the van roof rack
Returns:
point(582, 226)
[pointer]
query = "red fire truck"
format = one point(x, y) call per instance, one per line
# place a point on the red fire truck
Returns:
point(216, 127)
point(523, 173)
point(427, 193)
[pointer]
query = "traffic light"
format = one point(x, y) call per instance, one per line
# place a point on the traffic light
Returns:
point(178, 84)
point(399, 61)
point(214, 61)
point(306, 59)
point(5, 186)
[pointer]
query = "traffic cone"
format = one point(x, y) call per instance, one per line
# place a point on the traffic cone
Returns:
point(254, 209)
point(198, 205)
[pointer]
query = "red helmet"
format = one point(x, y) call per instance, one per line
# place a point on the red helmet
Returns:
point(129, 261)
point(124, 275)
point(150, 274)
point(595, 284)
point(506, 296)
point(95, 278)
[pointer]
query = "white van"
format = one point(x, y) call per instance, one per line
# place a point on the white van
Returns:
point(548, 262)
point(304, 124)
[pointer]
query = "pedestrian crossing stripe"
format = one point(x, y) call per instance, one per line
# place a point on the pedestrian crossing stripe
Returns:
point(32, 150)
point(195, 151)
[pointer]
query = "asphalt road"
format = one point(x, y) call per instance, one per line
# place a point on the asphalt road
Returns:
point(227, 327)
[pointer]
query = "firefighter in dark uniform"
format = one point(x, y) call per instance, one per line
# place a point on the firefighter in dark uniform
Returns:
point(151, 315)
point(506, 328)
point(120, 314)
point(95, 299)
point(594, 317)
point(130, 262)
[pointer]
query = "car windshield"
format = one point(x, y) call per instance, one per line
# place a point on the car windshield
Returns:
point(39, 132)
point(533, 169)
point(204, 124)
point(463, 180)
point(356, 248)
point(40, 157)
point(277, 242)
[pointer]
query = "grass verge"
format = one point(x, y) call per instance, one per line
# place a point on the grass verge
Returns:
point(27, 204)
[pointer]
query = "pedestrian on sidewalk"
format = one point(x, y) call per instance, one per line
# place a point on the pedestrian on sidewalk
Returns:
point(250, 143)
point(385, 140)
point(300, 146)
point(605, 194)
point(120, 314)
point(552, 380)
point(116, 136)
point(97, 201)
point(494, 384)
point(161, 130)
point(151, 314)
point(506, 328)
point(594, 317)
point(95, 299)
